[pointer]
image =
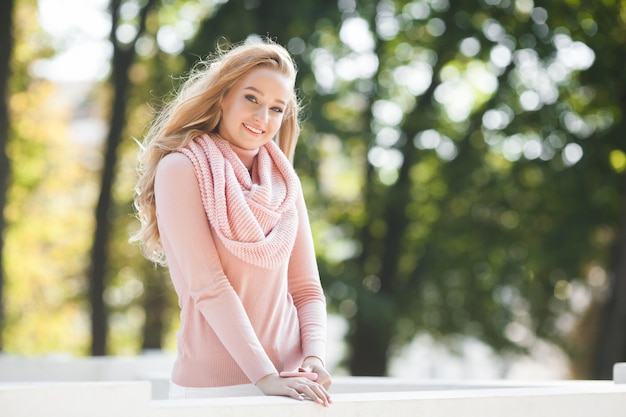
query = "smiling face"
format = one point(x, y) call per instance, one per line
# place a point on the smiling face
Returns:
point(253, 109)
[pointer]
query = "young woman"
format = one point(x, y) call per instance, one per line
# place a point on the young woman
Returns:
point(221, 205)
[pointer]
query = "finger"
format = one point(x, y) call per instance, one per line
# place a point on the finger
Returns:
point(293, 393)
point(315, 397)
point(325, 381)
point(316, 393)
point(326, 393)
point(328, 383)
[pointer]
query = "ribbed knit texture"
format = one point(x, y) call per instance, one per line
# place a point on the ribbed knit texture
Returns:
point(255, 222)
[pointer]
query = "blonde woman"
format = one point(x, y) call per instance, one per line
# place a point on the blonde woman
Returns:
point(220, 204)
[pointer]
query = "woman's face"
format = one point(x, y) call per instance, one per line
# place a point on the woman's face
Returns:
point(253, 109)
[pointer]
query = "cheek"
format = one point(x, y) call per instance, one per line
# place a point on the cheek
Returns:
point(276, 122)
point(229, 105)
point(229, 110)
point(278, 118)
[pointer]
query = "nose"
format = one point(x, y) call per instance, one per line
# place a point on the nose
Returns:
point(262, 114)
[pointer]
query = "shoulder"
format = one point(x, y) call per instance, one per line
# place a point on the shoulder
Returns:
point(174, 167)
point(174, 162)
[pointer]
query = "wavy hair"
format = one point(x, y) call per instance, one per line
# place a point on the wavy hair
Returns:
point(195, 110)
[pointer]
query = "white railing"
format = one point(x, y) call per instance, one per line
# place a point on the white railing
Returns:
point(136, 387)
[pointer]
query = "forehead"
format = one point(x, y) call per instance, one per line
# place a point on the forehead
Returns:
point(268, 82)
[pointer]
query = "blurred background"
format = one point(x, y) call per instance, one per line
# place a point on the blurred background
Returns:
point(464, 164)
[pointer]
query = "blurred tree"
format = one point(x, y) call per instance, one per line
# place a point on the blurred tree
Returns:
point(44, 247)
point(600, 99)
point(493, 198)
point(463, 165)
point(6, 48)
point(123, 57)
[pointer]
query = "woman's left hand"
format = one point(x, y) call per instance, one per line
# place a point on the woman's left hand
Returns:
point(315, 364)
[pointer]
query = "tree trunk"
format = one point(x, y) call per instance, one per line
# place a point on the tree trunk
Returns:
point(611, 344)
point(6, 47)
point(369, 339)
point(123, 56)
point(155, 306)
point(121, 63)
point(371, 336)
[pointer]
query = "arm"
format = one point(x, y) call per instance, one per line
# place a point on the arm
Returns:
point(182, 221)
point(308, 296)
point(306, 291)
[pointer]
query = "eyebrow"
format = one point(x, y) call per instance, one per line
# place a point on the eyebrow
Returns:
point(261, 93)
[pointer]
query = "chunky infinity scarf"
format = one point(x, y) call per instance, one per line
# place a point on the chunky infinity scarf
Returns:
point(256, 222)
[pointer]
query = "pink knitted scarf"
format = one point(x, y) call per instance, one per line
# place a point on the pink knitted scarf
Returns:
point(256, 222)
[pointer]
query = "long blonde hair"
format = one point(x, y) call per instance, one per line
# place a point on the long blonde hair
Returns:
point(195, 110)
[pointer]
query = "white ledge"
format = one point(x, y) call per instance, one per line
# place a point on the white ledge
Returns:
point(377, 397)
point(93, 399)
point(363, 397)
point(619, 373)
point(143, 393)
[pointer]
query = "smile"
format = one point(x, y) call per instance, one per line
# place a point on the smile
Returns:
point(253, 129)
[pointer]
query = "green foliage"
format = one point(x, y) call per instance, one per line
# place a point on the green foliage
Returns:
point(479, 217)
point(46, 199)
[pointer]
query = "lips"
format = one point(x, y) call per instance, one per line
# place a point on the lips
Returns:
point(253, 129)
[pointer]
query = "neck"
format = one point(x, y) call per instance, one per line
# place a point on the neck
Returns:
point(246, 155)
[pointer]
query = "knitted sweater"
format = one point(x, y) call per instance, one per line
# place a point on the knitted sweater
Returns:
point(238, 322)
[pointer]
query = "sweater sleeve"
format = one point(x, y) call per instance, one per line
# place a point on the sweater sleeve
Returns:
point(183, 224)
point(306, 289)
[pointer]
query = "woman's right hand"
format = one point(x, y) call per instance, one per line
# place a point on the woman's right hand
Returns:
point(294, 387)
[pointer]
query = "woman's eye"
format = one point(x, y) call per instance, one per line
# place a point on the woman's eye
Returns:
point(277, 109)
point(251, 98)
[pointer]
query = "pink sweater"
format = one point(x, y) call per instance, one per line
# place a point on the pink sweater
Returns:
point(238, 322)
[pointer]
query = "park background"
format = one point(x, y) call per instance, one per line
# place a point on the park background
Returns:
point(463, 162)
